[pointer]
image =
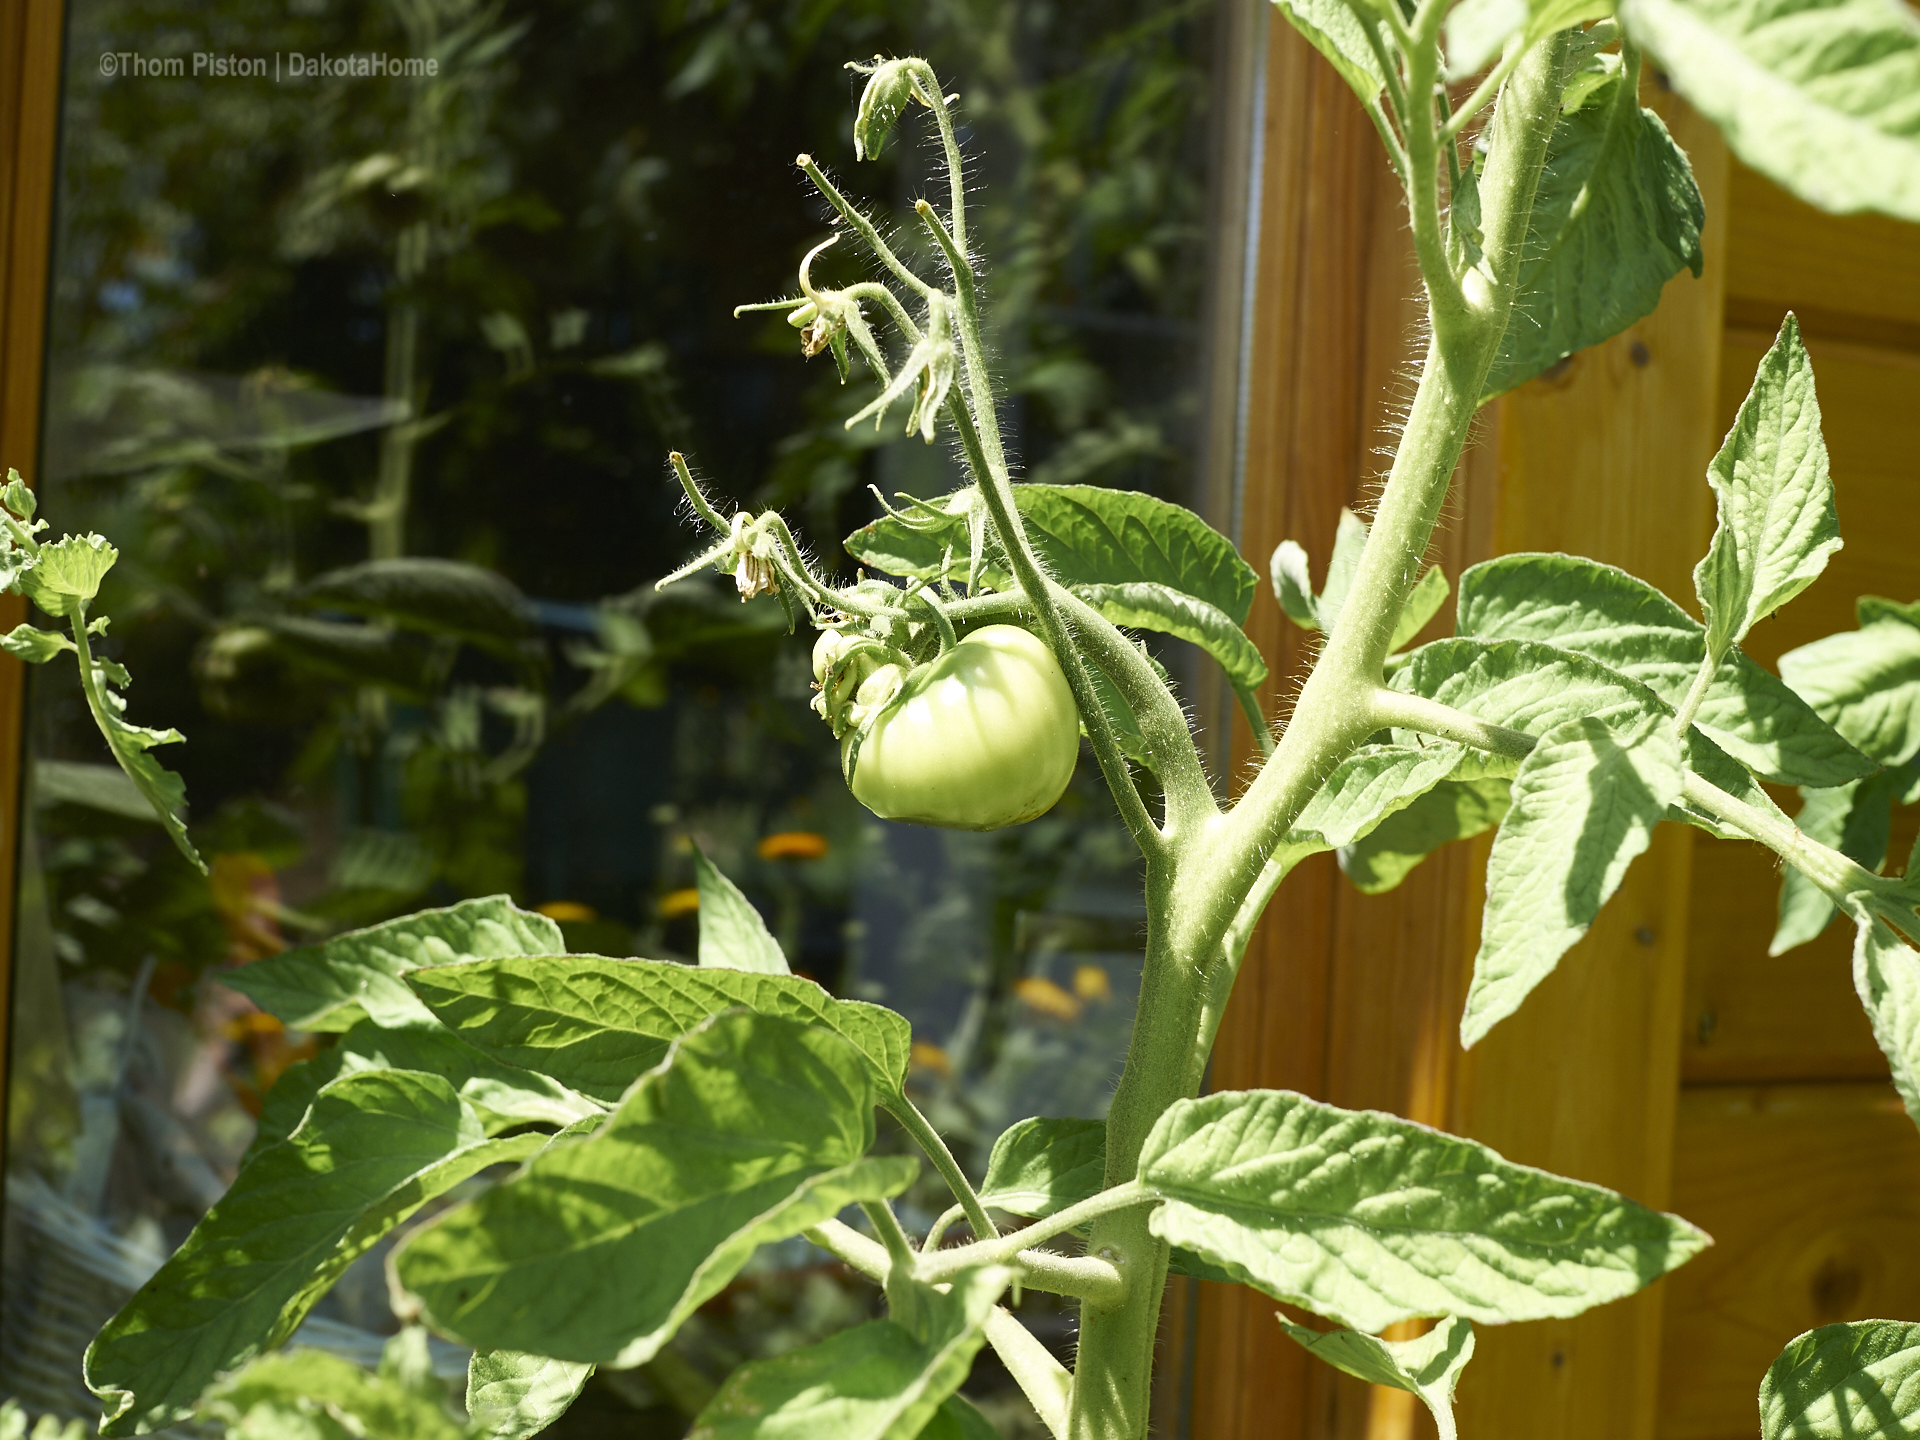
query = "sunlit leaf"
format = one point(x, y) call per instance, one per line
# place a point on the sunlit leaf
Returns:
point(374, 1147)
point(753, 1129)
point(1630, 627)
point(1369, 1219)
point(1043, 1165)
point(1584, 806)
point(1452, 810)
point(596, 1024)
point(1855, 819)
point(514, 1396)
point(1617, 215)
point(1866, 684)
point(1854, 1381)
point(1145, 606)
point(1817, 95)
point(1886, 977)
point(878, 1381)
point(373, 1406)
point(1777, 525)
point(1428, 1366)
point(732, 934)
point(356, 976)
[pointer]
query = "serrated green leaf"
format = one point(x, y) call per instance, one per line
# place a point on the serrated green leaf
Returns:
point(1145, 606)
point(877, 1381)
point(1886, 977)
point(1452, 810)
point(1293, 585)
point(433, 596)
point(1630, 627)
point(1817, 95)
point(1428, 1366)
point(1367, 787)
point(1855, 819)
point(501, 1095)
point(1854, 1381)
point(1616, 216)
point(514, 1396)
point(596, 1024)
point(33, 645)
point(355, 976)
point(374, 1147)
point(751, 1130)
point(1870, 609)
point(66, 571)
point(1084, 535)
point(1777, 525)
point(1866, 684)
point(1523, 684)
point(1369, 1219)
point(1335, 30)
point(1584, 805)
point(1041, 1166)
point(374, 1407)
point(732, 934)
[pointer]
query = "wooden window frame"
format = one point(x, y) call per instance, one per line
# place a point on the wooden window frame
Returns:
point(31, 34)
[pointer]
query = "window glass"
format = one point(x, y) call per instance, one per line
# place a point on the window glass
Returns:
point(370, 374)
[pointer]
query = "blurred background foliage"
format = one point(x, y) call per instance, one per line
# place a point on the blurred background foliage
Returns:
point(371, 382)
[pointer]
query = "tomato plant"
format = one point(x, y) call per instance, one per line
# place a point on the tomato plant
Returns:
point(660, 1122)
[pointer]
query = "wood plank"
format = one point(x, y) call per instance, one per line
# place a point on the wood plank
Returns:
point(30, 36)
point(1812, 1195)
point(1751, 1016)
point(1850, 277)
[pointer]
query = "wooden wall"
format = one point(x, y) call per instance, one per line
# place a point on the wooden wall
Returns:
point(1654, 1059)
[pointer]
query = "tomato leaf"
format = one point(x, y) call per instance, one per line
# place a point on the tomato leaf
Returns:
point(1630, 627)
point(514, 1396)
point(732, 934)
point(1336, 31)
point(1777, 525)
point(373, 1149)
point(596, 1024)
point(1041, 1166)
point(1369, 1219)
point(434, 596)
point(1084, 535)
point(1866, 684)
point(1853, 1381)
point(1886, 977)
point(305, 1380)
point(1143, 605)
point(751, 1130)
point(1584, 805)
point(501, 1095)
point(356, 976)
point(1617, 215)
point(878, 1381)
point(1428, 1366)
point(1452, 810)
point(1817, 95)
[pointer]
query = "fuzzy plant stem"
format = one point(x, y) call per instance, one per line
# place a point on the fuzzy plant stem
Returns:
point(1196, 893)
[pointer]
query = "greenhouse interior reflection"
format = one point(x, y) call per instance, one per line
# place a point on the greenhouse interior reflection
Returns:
point(371, 381)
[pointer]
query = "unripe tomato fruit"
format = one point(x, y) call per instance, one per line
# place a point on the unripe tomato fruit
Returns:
point(989, 739)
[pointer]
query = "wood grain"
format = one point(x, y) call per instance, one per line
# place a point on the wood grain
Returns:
point(30, 35)
point(1812, 1195)
point(1849, 277)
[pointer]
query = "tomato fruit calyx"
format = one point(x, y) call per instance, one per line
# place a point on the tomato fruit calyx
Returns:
point(983, 736)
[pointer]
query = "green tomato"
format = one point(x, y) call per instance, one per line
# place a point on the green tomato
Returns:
point(988, 739)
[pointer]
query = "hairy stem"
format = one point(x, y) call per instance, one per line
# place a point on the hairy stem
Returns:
point(928, 1139)
point(1043, 1380)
